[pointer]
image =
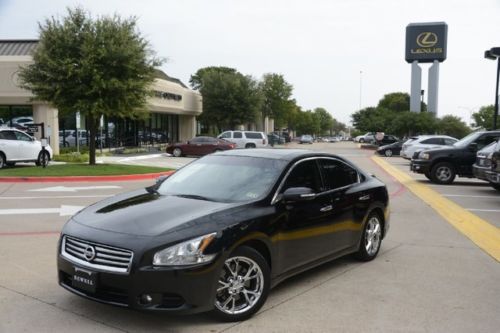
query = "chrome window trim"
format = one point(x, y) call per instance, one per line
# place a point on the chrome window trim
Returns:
point(97, 267)
point(277, 197)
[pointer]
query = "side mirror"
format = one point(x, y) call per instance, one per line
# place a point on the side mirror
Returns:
point(298, 194)
point(473, 146)
point(160, 179)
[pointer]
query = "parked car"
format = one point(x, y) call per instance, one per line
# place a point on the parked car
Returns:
point(221, 231)
point(386, 140)
point(306, 139)
point(391, 149)
point(199, 146)
point(443, 164)
point(424, 142)
point(275, 139)
point(245, 139)
point(483, 162)
point(17, 146)
point(494, 173)
point(368, 137)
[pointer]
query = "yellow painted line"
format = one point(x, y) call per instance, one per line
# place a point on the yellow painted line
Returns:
point(483, 234)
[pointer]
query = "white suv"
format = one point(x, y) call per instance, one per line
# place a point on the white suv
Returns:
point(17, 146)
point(245, 139)
point(424, 142)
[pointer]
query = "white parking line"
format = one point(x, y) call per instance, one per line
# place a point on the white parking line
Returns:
point(471, 196)
point(483, 210)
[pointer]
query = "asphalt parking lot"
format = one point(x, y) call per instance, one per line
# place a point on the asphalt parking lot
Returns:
point(428, 277)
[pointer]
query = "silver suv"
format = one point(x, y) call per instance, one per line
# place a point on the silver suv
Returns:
point(245, 139)
point(424, 142)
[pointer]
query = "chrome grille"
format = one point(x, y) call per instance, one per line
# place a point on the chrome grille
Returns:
point(97, 256)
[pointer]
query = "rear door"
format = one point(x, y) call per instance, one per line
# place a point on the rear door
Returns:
point(348, 205)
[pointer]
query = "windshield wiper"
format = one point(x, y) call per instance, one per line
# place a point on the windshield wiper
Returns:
point(193, 196)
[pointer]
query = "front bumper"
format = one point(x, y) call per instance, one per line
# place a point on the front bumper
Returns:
point(480, 172)
point(420, 166)
point(179, 290)
point(493, 176)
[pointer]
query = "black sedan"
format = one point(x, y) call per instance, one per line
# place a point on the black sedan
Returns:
point(220, 232)
point(390, 150)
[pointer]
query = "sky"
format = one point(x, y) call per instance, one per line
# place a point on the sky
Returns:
point(337, 54)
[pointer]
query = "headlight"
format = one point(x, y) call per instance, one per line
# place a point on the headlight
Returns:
point(185, 253)
point(423, 156)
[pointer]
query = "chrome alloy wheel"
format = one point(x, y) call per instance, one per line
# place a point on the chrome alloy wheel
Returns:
point(240, 286)
point(373, 235)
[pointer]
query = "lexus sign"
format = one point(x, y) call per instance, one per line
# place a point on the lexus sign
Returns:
point(426, 42)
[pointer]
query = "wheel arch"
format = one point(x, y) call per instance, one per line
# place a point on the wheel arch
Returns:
point(261, 247)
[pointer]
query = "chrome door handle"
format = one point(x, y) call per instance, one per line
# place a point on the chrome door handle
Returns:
point(364, 197)
point(326, 208)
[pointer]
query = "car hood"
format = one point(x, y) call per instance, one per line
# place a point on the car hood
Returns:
point(144, 213)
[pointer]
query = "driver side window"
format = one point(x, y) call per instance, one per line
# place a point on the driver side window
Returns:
point(304, 174)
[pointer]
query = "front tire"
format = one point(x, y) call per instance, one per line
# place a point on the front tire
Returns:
point(361, 140)
point(250, 145)
point(43, 159)
point(495, 186)
point(243, 285)
point(177, 152)
point(388, 153)
point(443, 173)
point(371, 238)
point(2, 161)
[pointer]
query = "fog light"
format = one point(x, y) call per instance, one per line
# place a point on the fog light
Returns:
point(145, 299)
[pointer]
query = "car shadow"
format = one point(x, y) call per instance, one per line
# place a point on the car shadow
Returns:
point(134, 320)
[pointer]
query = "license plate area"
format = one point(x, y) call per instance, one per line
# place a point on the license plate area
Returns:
point(84, 279)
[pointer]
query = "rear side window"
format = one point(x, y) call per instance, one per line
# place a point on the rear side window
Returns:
point(253, 135)
point(8, 135)
point(433, 141)
point(337, 174)
point(449, 142)
point(237, 135)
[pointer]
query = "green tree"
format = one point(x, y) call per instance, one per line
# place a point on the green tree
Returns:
point(372, 119)
point(229, 97)
point(325, 120)
point(453, 126)
point(484, 117)
point(413, 123)
point(276, 93)
point(398, 102)
point(95, 66)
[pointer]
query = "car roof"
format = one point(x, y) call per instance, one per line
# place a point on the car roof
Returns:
point(271, 153)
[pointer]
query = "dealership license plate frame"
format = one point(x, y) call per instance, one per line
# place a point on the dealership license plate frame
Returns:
point(84, 280)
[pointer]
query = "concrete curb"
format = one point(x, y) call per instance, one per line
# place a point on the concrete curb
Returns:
point(117, 178)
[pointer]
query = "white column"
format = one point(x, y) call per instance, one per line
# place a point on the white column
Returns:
point(50, 117)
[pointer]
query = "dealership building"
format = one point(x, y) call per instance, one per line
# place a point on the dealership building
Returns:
point(172, 108)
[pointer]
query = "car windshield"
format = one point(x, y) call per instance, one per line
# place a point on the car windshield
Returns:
point(224, 178)
point(467, 140)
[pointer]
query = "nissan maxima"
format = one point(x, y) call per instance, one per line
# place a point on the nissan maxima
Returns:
point(219, 233)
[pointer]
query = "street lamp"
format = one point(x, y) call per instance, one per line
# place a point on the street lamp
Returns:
point(494, 54)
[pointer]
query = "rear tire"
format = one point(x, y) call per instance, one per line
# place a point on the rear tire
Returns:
point(361, 140)
point(243, 285)
point(250, 145)
point(371, 239)
point(443, 173)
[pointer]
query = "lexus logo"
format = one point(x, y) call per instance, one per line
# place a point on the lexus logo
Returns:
point(427, 39)
point(89, 253)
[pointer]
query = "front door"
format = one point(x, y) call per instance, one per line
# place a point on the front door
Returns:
point(304, 233)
